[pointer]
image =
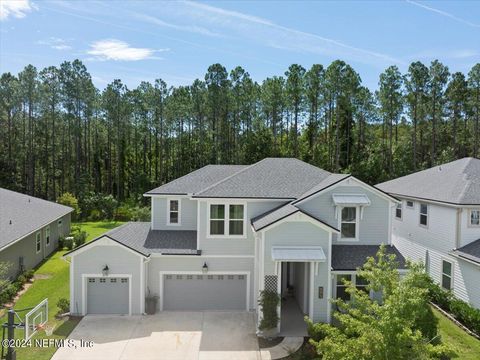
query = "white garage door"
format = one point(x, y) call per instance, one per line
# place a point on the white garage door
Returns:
point(205, 292)
point(107, 295)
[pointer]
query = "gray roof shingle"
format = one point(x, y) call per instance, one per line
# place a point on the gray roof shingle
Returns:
point(276, 178)
point(457, 182)
point(22, 214)
point(470, 251)
point(332, 179)
point(351, 257)
point(139, 237)
point(197, 180)
point(279, 213)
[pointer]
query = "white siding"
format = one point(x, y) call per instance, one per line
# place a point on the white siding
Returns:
point(188, 214)
point(468, 233)
point(373, 227)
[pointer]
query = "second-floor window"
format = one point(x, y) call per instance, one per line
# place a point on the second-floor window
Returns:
point(349, 223)
point(398, 211)
point(227, 219)
point(475, 217)
point(173, 212)
point(423, 214)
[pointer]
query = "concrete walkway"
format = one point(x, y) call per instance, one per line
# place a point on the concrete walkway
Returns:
point(167, 335)
point(288, 346)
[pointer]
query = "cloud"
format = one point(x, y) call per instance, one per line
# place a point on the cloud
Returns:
point(281, 37)
point(15, 8)
point(55, 43)
point(444, 13)
point(117, 50)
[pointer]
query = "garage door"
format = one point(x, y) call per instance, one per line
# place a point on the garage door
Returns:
point(107, 295)
point(205, 292)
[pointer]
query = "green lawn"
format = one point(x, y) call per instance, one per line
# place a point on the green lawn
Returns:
point(54, 287)
point(466, 346)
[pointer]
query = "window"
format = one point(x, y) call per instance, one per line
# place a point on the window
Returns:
point(475, 217)
point(349, 223)
point(217, 219)
point(227, 219)
point(60, 227)
point(38, 242)
point(361, 284)
point(47, 235)
point(424, 214)
point(447, 275)
point(173, 212)
point(342, 287)
point(398, 211)
point(410, 204)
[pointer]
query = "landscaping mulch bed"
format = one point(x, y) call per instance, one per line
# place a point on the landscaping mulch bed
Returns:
point(266, 343)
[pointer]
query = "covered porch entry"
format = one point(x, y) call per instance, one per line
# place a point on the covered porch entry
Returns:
point(296, 268)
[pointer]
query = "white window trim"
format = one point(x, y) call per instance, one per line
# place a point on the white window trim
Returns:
point(179, 212)
point(47, 236)
point(401, 211)
point(357, 224)
point(427, 215)
point(227, 219)
point(469, 221)
point(452, 275)
point(409, 207)
point(38, 239)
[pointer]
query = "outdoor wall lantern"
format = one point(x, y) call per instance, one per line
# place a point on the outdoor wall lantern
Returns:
point(105, 270)
point(205, 268)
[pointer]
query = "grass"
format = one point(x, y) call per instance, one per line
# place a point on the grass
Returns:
point(54, 286)
point(466, 346)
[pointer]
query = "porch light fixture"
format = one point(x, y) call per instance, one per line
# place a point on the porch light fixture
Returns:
point(105, 270)
point(205, 268)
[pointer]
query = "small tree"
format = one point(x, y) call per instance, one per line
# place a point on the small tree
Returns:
point(268, 302)
point(68, 199)
point(401, 327)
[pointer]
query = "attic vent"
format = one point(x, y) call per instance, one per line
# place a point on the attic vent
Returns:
point(10, 222)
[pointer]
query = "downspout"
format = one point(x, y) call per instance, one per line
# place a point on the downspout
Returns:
point(458, 234)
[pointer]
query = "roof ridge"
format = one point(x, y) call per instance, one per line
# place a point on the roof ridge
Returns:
point(229, 177)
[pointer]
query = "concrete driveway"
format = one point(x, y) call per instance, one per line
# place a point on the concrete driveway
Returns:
point(168, 335)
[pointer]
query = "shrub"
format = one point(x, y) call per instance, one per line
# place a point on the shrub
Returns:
point(69, 199)
point(123, 213)
point(141, 214)
point(29, 274)
point(69, 243)
point(95, 215)
point(268, 301)
point(79, 238)
point(97, 206)
point(61, 242)
point(63, 305)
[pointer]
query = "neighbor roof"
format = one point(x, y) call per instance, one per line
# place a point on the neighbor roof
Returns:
point(351, 257)
point(22, 214)
point(457, 182)
point(139, 237)
point(274, 178)
point(197, 180)
point(470, 251)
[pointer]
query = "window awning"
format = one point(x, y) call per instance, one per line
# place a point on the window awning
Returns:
point(350, 199)
point(298, 253)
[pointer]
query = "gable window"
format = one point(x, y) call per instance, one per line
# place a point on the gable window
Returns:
point(410, 204)
point(47, 235)
point(349, 223)
point(424, 214)
point(173, 212)
point(217, 219)
point(447, 275)
point(398, 211)
point(38, 242)
point(227, 219)
point(475, 217)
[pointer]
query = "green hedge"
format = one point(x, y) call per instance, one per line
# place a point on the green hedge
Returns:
point(8, 292)
point(462, 311)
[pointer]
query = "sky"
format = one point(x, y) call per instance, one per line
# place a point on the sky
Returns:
point(144, 40)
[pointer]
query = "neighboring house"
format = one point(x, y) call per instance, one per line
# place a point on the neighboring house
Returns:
point(438, 222)
point(29, 229)
point(221, 234)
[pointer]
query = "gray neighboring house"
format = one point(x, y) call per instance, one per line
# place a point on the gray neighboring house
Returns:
point(29, 229)
point(438, 222)
point(223, 233)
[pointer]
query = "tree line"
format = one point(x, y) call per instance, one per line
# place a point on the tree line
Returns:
point(60, 133)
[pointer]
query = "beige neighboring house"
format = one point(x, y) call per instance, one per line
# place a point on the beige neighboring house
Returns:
point(29, 229)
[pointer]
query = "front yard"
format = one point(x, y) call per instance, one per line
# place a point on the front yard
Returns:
point(52, 282)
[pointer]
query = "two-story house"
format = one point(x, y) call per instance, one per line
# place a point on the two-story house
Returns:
point(438, 222)
point(221, 234)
